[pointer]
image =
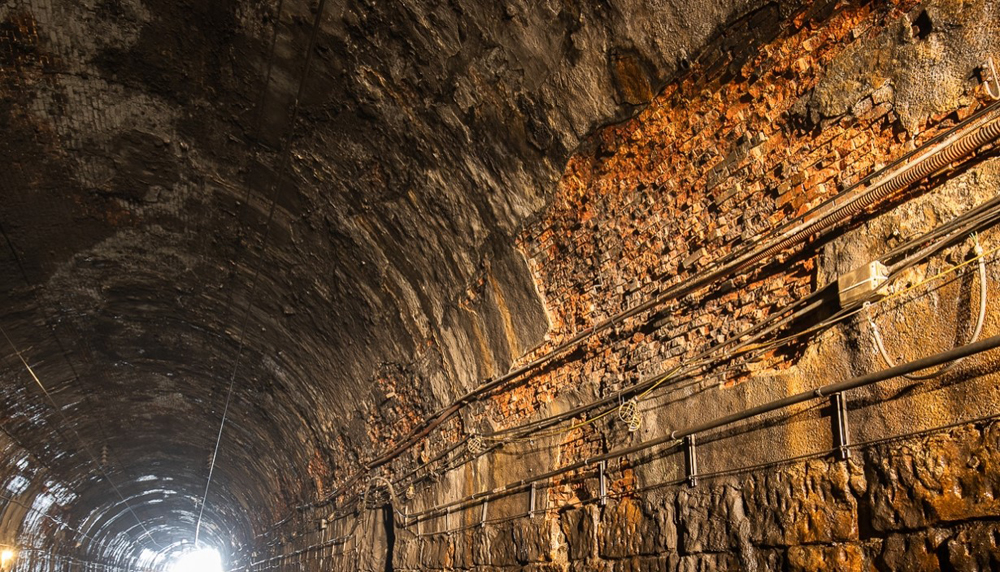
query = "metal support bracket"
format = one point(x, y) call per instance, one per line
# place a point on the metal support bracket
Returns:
point(991, 80)
point(531, 501)
point(482, 518)
point(691, 454)
point(602, 468)
point(842, 433)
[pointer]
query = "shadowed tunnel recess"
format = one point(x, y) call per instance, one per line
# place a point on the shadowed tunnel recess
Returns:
point(190, 196)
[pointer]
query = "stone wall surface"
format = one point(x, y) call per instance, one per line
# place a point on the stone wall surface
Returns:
point(774, 116)
point(453, 189)
point(894, 506)
point(312, 201)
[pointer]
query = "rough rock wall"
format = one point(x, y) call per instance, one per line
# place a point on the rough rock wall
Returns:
point(174, 220)
point(905, 505)
point(786, 108)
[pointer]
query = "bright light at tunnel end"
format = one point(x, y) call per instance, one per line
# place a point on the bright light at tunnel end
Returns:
point(200, 560)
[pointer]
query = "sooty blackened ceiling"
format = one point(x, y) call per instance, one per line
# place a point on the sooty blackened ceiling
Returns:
point(289, 195)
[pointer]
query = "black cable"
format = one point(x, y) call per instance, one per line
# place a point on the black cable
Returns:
point(983, 215)
point(886, 183)
point(695, 364)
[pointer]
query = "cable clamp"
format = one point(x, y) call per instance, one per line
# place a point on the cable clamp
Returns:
point(628, 412)
point(843, 435)
point(531, 501)
point(475, 444)
point(691, 454)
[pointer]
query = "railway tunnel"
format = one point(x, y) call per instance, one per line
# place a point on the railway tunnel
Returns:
point(550, 286)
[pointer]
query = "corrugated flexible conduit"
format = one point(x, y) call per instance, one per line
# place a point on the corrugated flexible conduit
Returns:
point(940, 236)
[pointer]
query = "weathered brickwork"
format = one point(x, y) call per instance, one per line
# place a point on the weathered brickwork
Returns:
point(719, 157)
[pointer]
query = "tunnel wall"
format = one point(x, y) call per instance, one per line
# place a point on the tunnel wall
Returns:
point(783, 109)
point(147, 144)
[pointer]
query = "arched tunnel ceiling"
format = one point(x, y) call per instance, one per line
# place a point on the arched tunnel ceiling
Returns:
point(175, 218)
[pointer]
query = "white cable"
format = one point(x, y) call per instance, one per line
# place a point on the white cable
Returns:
point(877, 336)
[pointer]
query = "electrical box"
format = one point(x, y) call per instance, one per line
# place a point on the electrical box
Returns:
point(862, 283)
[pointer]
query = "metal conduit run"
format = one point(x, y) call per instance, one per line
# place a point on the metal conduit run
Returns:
point(930, 158)
point(674, 436)
point(281, 560)
point(941, 236)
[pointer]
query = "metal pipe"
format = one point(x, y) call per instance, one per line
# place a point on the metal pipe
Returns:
point(827, 390)
point(674, 436)
point(941, 151)
point(981, 130)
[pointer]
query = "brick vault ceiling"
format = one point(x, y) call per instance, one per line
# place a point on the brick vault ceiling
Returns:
point(168, 209)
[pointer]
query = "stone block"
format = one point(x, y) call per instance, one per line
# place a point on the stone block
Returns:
point(591, 566)
point(406, 553)
point(495, 546)
point(944, 478)
point(625, 530)
point(544, 567)
point(531, 540)
point(975, 549)
point(578, 527)
point(708, 519)
point(438, 551)
point(911, 552)
point(803, 503)
point(666, 563)
point(716, 562)
point(820, 558)
point(464, 548)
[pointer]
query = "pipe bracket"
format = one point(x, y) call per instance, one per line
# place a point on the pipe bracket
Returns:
point(602, 468)
point(691, 453)
point(842, 433)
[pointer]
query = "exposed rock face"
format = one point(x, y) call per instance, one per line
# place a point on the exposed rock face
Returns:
point(354, 212)
point(185, 204)
point(726, 151)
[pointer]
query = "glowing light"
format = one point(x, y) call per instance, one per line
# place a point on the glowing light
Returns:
point(203, 560)
point(6, 557)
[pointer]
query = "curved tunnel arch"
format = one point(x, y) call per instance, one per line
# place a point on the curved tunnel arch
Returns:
point(138, 199)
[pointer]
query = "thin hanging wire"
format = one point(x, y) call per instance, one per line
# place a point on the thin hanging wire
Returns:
point(253, 287)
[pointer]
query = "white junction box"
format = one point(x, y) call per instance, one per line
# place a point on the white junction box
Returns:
point(861, 283)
